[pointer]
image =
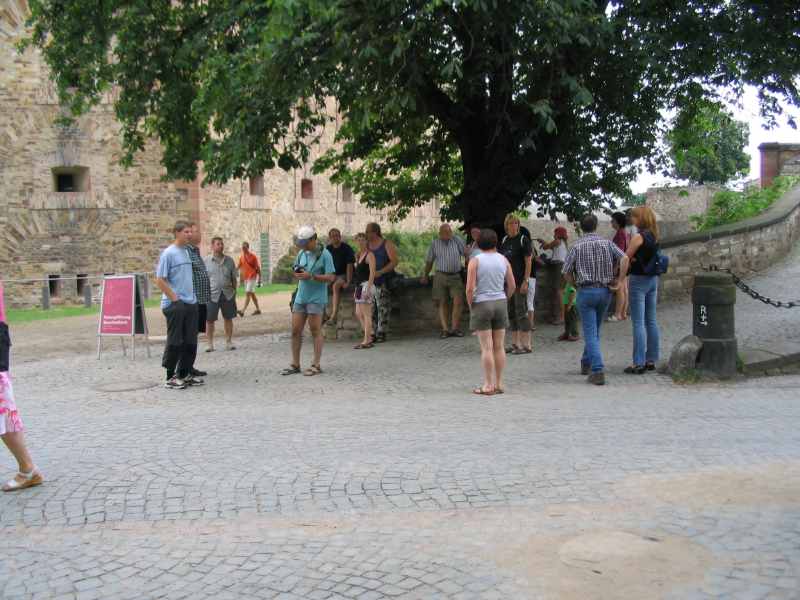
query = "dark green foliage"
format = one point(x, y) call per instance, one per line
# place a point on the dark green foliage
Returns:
point(730, 207)
point(707, 145)
point(486, 105)
point(412, 249)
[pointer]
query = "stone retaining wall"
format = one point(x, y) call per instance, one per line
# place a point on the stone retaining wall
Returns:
point(744, 247)
point(413, 309)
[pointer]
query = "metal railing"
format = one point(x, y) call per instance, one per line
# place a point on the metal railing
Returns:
point(87, 289)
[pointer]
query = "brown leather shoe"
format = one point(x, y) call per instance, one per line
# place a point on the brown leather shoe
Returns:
point(598, 378)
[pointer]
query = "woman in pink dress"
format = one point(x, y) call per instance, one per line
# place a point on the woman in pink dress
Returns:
point(11, 429)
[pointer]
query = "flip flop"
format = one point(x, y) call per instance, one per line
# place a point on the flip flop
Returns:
point(522, 351)
point(482, 392)
point(457, 333)
point(499, 391)
point(209, 349)
point(312, 370)
point(291, 370)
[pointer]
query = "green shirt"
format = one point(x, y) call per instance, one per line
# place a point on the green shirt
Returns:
point(569, 290)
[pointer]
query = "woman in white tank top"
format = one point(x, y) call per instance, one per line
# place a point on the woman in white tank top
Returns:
point(490, 282)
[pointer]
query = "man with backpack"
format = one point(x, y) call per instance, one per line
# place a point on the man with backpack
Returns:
point(518, 249)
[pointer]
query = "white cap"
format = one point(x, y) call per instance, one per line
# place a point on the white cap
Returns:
point(304, 234)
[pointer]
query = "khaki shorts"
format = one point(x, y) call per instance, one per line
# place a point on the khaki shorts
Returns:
point(518, 312)
point(447, 286)
point(489, 315)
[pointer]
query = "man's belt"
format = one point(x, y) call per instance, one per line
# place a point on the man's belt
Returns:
point(448, 273)
point(592, 284)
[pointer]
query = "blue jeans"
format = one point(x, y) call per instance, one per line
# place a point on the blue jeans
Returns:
point(643, 298)
point(592, 305)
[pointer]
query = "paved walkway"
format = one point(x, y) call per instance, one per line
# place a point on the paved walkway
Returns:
point(385, 478)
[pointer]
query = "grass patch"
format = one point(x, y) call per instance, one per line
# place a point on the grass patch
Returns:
point(26, 315)
point(731, 207)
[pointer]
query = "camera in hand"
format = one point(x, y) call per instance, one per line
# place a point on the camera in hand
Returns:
point(299, 269)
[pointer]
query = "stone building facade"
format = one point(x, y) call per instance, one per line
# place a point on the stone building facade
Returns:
point(68, 210)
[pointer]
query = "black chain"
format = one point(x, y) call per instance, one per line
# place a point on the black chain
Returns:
point(751, 292)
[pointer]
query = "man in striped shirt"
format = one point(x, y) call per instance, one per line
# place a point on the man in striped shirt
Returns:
point(593, 264)
point(447, 255)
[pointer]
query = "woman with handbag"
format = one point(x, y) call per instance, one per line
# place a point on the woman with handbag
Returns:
point(643, 290)
point(364, 278)
point(11, 428)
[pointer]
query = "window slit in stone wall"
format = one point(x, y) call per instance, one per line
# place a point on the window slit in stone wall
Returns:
point(71, 179)
point(257, 185)
point(81, 282)
point(54, 282)
point(306, 189)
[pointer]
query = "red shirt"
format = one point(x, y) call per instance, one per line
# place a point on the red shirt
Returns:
point(621, 239)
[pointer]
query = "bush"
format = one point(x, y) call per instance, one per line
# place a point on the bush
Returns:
point(412, 248)
point(730, 207)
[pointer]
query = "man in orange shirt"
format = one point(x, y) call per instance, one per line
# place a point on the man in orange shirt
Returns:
point(250, 270)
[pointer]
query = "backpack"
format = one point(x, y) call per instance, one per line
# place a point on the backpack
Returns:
point(658, 265)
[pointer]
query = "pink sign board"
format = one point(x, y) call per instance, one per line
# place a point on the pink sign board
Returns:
point(117, 308)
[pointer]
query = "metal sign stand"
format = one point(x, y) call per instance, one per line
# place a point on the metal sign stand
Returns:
point(137, 303)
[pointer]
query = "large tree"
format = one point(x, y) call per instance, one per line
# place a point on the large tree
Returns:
point(707, 145)
point(485, 104)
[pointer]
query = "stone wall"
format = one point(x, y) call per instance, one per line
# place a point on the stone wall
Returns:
point(744, 247)
point(116, 220)
point(675, 205)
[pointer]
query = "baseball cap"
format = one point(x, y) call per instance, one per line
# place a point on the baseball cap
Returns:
point(304, 235)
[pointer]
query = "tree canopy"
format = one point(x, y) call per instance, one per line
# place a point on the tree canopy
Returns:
point(487, 105)
point(707, 145)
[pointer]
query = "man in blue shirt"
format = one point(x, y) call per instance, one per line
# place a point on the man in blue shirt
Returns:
point(313, 270)
point(179, 305)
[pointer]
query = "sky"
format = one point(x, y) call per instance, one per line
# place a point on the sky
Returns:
point(748, 113)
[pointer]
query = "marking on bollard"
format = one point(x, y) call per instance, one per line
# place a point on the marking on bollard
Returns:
point(703, 316)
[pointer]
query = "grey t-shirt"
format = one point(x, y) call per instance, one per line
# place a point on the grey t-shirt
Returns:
point(491, 277)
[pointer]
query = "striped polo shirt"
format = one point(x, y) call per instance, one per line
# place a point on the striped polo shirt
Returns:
point(447, 256)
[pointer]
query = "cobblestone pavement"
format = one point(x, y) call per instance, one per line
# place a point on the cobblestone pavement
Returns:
point(385, 478)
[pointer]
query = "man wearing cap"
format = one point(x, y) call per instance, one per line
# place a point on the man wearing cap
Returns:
point(314, 271)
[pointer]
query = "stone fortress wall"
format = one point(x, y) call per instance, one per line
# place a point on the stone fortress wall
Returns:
point(68, 209)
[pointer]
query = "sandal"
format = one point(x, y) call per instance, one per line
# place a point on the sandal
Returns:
point(499, 391)
point(209, 349)
point(522, 351)
point(482, 392)
point(456, 333)
point(312, 370)
point(444, 335)
point(256, 312)
point(291, 370)
point(31, 479)
point(511, 349)
point(363, 346)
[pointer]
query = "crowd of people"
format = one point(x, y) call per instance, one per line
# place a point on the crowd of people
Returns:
point(496, 278)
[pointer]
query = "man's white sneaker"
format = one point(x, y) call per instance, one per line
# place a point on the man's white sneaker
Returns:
point(175, 383)
point(192, 380)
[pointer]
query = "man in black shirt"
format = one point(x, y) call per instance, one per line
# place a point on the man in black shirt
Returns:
point(343, 260)
point(517, 248)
